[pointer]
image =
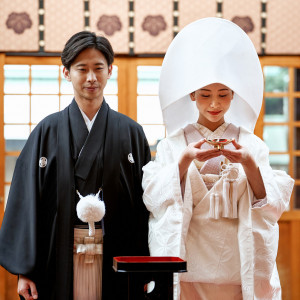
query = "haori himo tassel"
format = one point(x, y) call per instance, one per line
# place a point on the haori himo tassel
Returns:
point(225, 204)
point(90, 209)
point(214, 206)
point(230, 174)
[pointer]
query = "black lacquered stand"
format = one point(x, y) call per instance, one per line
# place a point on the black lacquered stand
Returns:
point(143, 269)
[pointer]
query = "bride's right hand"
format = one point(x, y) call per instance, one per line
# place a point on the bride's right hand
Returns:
point(194, 151)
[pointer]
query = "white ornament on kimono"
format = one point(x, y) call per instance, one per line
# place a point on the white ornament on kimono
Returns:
point(90, 209)
point(227, 206)
point(214, 206)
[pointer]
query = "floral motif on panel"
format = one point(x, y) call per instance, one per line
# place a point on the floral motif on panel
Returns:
point(109, 24)
point(19, 22)
point(244, 22)
point(154, 24)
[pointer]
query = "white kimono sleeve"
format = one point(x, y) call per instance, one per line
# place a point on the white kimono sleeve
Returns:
point(161, 182)
point(277, 183)
point(265, 229)
point(163, 198)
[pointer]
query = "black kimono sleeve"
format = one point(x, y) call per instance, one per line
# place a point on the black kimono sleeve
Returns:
point(143, 157)
point(23, 226)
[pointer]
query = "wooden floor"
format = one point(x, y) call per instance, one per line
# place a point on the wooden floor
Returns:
point(288, 261)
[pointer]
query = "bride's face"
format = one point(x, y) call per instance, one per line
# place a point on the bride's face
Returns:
point(212, 101)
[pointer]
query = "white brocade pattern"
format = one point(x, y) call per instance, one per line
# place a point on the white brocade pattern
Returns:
point(212, 245)
point(180, 227)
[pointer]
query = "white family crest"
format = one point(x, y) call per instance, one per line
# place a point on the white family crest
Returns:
point(43, 162)
point(130, 158)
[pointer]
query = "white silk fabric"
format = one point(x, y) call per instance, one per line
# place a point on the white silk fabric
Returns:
point(180, 227)
point(210, 50)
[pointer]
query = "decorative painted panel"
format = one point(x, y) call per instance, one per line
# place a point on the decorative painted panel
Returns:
point(110, 18)
point(190, 11)
point(283, 25)
point(63, 18)
point(246, 14)
point(153, 30)
point(140, 26)
point(19, 25)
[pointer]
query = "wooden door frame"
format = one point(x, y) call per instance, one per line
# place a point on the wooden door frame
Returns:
point(127, 82)
point(2, 166)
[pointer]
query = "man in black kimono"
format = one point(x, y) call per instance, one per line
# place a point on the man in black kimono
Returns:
point(62, 156)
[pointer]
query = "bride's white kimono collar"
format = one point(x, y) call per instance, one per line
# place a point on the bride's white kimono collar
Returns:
point(210, 50)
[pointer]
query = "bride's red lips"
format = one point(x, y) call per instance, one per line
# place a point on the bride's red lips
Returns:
point(214, 112)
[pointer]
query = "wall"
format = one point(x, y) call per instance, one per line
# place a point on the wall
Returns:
point(142, 26)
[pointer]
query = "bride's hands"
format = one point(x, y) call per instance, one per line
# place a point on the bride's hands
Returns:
point(194, 151)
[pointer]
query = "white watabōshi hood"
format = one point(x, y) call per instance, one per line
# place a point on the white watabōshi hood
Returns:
point(210, 50)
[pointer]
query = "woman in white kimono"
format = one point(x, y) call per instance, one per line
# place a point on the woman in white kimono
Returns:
point(216, 208)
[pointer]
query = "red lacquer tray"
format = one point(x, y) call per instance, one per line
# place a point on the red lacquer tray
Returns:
point(149, 264)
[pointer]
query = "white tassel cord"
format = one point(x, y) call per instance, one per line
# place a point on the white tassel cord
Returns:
point(217, 206)
point(226, 199)
point(230, 174)
point(234, 199)
point(212, 206)
point(80, 196)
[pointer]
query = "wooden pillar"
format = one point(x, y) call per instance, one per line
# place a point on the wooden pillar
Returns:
point(8, 282)
point(288, 258)
point(127, 87)
point(295, 259)
point(2, 166)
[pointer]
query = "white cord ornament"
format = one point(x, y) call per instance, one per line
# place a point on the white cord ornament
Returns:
point(226, 203)
point(90, 209)
point(230, 174)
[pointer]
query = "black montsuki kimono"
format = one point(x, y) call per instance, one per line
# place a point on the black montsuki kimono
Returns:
point(36, 237)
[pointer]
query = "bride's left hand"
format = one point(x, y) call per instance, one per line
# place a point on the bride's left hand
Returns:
point(238, 155)
point(243, 156)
